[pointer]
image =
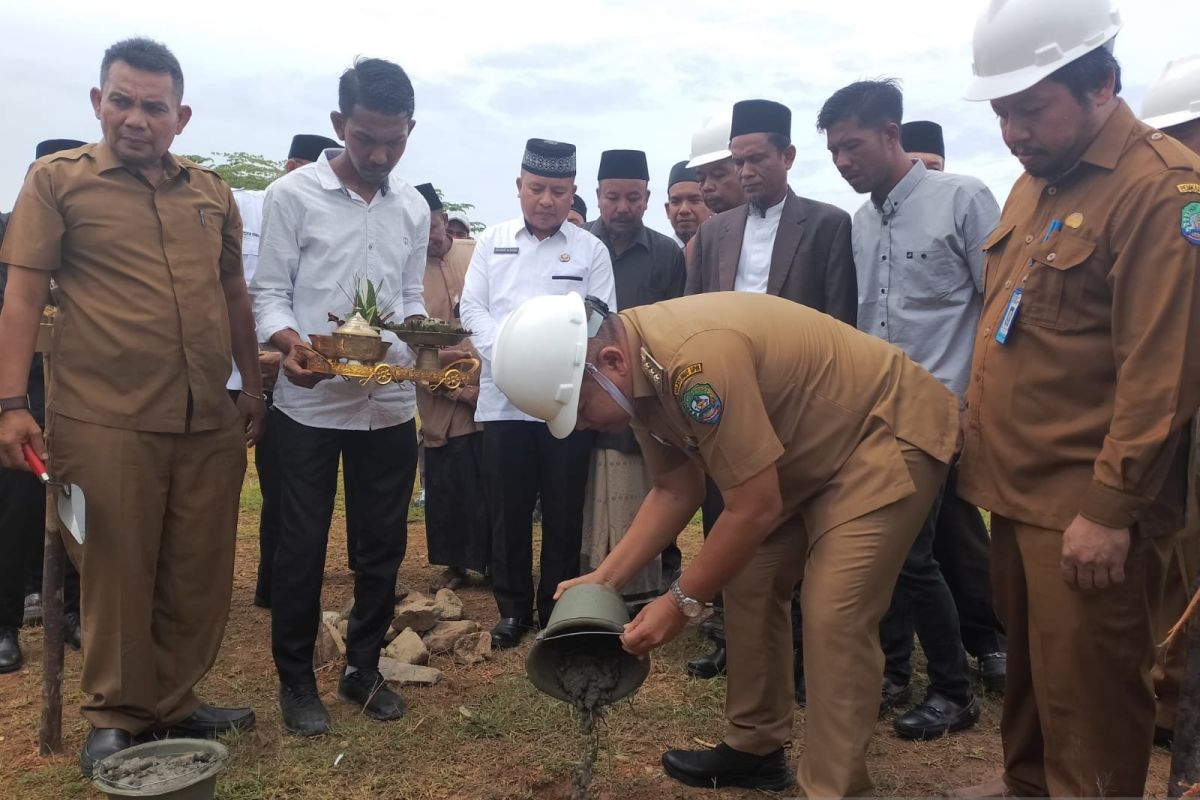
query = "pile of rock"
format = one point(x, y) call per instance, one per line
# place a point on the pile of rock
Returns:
point(422, 626)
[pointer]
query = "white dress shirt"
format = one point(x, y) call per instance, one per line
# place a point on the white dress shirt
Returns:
point(919, 260)
point(250, 204)
point(318, 240)
point(754, 263)
point(510, 266)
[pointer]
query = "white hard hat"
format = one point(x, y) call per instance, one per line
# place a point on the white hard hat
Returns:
point(1175, 98)
point(711, 142)
point(538, 358)
point(1020, 42)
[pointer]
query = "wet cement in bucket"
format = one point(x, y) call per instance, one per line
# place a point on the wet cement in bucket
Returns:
point(139, 773)
point(589, 679)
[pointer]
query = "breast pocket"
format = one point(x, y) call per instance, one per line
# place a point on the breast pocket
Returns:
point(930, 275)
point(993, 248)
point(1055, 285)
point(564, 279)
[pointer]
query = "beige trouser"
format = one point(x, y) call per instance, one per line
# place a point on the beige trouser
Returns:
point(1078, 701)
point(848, 579)
point(156, 565)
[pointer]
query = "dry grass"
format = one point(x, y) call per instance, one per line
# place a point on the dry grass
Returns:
point(483, 733)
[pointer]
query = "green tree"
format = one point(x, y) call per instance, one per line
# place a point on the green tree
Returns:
point(461, 208)
point(242, 170)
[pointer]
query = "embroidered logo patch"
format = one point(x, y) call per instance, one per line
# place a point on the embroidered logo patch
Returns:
point(1189, 188)
point(702, 403)
point(684, 374)
point(1189, 223)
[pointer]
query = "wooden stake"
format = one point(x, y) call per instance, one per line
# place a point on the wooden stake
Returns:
point(53, 570)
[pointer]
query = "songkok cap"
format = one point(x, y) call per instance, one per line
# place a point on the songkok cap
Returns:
point(681, 173)
point(922, 136)
point(549, 159)
point(578, 206)
point(760, 116)
point(623, 164)
point(309, 146)
point(431, 196)
point(56, 145)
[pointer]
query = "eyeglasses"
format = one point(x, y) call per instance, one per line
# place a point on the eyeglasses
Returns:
point(597, 310)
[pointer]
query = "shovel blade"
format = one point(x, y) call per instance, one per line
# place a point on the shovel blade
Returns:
point(72, 511)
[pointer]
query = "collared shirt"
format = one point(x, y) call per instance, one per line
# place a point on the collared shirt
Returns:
point(1083, 409)
point(443, 415)
point(249, 203)
point(650, 270)
point(920, 268)
point(511, 265)
point(37, 378)
point(141, 339)
point(828, 405)
point(754, 263)
point(319, 239)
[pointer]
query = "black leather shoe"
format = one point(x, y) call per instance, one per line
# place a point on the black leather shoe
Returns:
point(936, 717)
point(72, 632)
point(209, 722)
point(100, 744)
point(724, 766)
point(33, 610)
point(366, 689)
point(713, 627)
point(992, 669)
point(509, 632)
point(302, 710)
point(709, 666)
point(893, 695)
point(10, 651)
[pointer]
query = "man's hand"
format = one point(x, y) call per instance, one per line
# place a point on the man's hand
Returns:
point(268, 367)
point(656, 624)
point(295, 366)
point(254, 416)
point(1093, 556)
point(591, 577)
point(18, 428)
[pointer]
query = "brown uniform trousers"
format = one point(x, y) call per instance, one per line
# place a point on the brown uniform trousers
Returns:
point(860, 437)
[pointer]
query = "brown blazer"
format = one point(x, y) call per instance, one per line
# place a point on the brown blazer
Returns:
point(812, 262)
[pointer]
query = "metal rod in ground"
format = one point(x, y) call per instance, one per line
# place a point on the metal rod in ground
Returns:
point(1185, 750)
point(53, 570)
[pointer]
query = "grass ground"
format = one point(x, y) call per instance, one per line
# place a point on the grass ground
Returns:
point(483, 733)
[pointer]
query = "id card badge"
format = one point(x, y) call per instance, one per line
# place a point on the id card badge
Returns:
point(1010, 315)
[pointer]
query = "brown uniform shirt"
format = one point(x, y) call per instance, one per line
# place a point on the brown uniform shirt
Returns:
point(739, 381)
point(1084, 408)
point(141, 338)
point(443, 416)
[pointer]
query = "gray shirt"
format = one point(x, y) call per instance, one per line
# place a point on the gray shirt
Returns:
point(920, 268)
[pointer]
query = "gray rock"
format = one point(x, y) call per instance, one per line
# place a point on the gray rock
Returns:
point(417, 612)
point(473, 648)
point(330, 645)
point(444, 636)
point(448, 604)
point(407, 648)
point(401, 674)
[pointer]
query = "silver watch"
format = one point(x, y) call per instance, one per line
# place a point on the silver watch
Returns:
point(690, 606)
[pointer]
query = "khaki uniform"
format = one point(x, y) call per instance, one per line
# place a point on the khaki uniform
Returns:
point(860, 436)
point(139, 417)
point(1084, 411)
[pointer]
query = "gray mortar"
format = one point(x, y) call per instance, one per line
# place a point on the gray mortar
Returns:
point(138, 773)
point(589, 680)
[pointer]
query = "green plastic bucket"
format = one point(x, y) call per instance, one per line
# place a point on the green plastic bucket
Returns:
point(199, 783)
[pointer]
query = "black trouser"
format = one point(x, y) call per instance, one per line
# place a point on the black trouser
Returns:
point(524, 461)
point(378, 468)
point(22, 543)
point(922, 599)
point(266, 463)
point(458, 530)
point(963, 548)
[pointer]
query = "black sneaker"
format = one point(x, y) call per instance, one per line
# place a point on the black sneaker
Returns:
point(302, 710)
point(33, 610)
point(366, 689)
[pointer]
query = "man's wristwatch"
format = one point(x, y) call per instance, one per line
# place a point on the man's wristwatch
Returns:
point(690, 606)
point(14, 403)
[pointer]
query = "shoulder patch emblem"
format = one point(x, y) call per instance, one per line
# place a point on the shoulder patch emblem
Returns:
point(683, 375)
point(1189, 223)
point(1189, 188)
point(702, 404)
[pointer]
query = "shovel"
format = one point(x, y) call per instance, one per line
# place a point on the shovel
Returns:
point(71, 508)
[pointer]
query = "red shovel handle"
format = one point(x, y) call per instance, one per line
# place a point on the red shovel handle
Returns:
point(35, 463)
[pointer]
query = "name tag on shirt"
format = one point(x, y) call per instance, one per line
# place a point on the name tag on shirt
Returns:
point(506, 251)
point(1010, 314)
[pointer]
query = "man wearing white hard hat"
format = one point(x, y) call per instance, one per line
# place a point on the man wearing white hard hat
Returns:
point(713, 163)
point(828, 445)
point(1082, 387)
point(1173, 106)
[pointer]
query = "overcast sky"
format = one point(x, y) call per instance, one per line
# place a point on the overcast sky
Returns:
point(601, 74)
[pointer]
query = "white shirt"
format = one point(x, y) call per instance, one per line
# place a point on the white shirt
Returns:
point(250, 204)
point(510, 266)
point(754, 263)
point(318, 240)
